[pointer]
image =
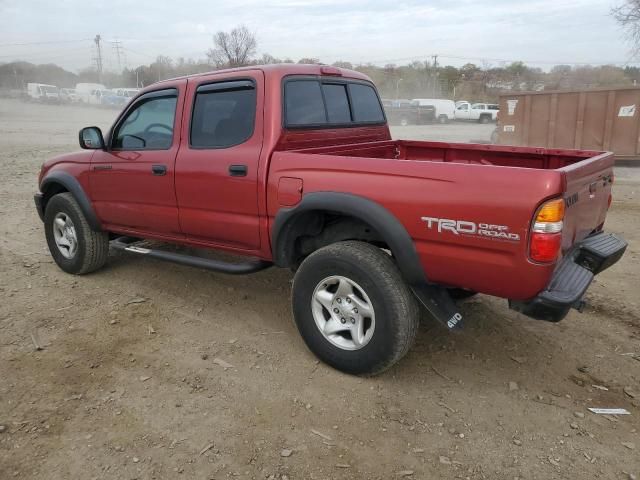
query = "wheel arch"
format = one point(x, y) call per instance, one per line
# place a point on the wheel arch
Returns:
point(293, 223)
point(59, 182)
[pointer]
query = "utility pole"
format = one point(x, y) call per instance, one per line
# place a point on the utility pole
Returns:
point(436, 89)
point(97, 41)
point(117, 46)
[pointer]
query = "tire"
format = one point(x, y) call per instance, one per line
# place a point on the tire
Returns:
point(376, 287)
point(484, 119)
point(404, 122)
point(443, 119)
point(91, 248)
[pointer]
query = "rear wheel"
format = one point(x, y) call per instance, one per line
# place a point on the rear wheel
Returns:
point(484, 119)
point(404, 122)
point(443, 119)
point(74, 246)
point(353, 309)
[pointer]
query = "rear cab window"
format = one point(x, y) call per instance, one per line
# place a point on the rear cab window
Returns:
point(321, 102)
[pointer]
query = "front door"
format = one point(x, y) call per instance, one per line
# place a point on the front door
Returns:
point(217, 168)
point(463, 112)
point(132, 180)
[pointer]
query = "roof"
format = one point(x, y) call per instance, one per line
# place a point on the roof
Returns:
point(279, 69)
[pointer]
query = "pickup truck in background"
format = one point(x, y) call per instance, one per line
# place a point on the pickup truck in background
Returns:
point(293, 166)
point(407, 112)
point(479, 112)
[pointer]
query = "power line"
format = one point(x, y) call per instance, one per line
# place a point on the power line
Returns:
point(44, 43)
point(139, 53)
point(20, 56)
point(117, 46)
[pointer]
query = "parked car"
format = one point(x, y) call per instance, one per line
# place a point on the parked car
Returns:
point(41, 92)
point(444, 109)
point(119, 97)
point(294, 166)
point(69, 95)
point(86, 91)
point(479, 112)
point(405, 113)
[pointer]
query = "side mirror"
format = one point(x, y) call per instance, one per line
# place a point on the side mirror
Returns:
point(91, 138)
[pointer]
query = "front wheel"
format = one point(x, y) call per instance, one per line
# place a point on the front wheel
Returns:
point(74, 246)
point(353, 309)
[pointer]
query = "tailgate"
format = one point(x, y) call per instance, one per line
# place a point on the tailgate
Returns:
point(587, 197)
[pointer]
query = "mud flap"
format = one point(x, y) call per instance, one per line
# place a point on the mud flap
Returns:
point(439, 304)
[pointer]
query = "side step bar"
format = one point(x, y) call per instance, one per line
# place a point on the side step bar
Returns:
point(127, 244)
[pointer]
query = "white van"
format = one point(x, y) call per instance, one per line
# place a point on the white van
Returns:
point(43, 92)
point(86, 92)
point(445, 109)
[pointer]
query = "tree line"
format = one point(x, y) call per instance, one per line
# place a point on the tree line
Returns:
point(238, 47)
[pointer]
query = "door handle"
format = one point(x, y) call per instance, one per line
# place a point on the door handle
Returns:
point(102, 167)
point(159, 169)
point(238, 170)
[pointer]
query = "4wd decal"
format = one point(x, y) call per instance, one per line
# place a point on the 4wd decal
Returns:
point(463, 227)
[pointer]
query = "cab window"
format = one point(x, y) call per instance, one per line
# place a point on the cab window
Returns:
point(223, 114)
point(149, 125)
point(325, 103)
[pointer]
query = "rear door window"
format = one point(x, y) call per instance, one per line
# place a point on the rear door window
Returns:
point(223, 114)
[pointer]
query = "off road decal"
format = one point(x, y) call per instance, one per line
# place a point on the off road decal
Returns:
point(463, 227)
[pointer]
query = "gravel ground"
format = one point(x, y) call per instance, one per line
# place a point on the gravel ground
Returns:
point(156, 371)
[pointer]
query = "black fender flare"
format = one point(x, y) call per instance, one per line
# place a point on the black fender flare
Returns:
point(70, 183)
point(384, 222)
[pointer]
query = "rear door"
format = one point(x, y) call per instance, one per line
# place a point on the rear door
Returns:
point(217, 167)
point(132, 181)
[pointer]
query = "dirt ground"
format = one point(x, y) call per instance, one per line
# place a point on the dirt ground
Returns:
point(131, 381)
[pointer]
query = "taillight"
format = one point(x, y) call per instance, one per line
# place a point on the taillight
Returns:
point(546, 233)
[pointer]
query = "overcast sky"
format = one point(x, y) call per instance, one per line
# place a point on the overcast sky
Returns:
point(539, 32)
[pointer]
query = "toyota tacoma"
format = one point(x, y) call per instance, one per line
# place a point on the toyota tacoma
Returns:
point(293, 166)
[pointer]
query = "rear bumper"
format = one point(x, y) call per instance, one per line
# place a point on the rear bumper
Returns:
point(38, 199)
point(572, 278)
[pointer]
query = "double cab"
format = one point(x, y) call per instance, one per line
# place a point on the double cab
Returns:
point(293, 166)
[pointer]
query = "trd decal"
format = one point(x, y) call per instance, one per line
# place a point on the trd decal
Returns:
point(463, 227)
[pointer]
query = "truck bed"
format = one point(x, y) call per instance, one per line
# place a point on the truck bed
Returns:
point(498, 155)
point(485, 184)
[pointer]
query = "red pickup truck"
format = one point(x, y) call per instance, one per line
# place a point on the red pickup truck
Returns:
point(294, 166)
